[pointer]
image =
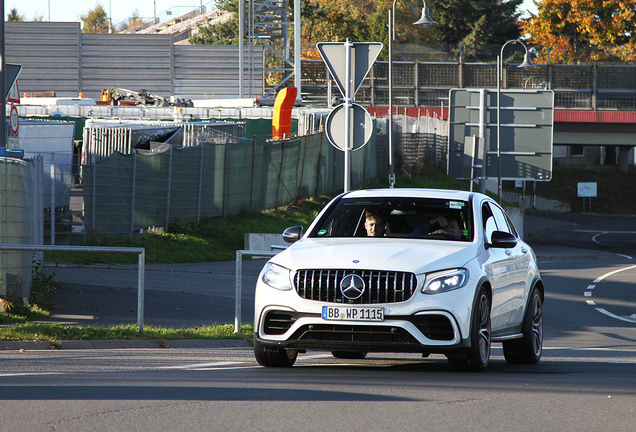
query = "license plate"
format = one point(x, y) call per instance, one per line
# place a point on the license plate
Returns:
point(342, 313)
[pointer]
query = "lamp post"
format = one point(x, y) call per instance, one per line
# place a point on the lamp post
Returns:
point(525, 64)
point(425, 21)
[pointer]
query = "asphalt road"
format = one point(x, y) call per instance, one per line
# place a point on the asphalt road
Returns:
point(615, 234)
point(176, 295)
point(586, 380)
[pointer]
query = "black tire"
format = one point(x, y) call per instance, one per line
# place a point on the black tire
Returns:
point(478, 355)
point(274, 357)
point(529, 348)
point(349, 355)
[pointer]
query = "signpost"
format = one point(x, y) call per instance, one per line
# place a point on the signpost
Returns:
point(586, 190)
point(349, 124)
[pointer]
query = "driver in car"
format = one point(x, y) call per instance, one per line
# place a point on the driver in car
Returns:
point(374, 225)
point(448, 225)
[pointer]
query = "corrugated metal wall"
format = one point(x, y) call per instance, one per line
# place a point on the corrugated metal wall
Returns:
point(48, 53)
point(59, 57)
point(129, 61)
point(214, 71)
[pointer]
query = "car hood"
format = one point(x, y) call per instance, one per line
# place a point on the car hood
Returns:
point(409, 255)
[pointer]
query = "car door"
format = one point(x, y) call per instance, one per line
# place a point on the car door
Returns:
point(511, 267)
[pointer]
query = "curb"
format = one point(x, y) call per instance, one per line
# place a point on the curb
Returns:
point(123, 344)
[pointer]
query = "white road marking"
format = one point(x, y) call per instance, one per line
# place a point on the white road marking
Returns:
point(611, 315)
point(629, 319)
point(606, 275)
point(595, 240)
point(30, 374)
point(204, 365)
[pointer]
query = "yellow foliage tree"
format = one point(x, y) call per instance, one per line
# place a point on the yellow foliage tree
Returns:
point(583, 30)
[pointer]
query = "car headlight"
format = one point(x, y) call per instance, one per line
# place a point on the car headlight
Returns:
point(276, 277)
point(446, 280)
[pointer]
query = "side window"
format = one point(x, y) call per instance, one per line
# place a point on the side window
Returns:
point(513, 230)
point(485, 214)
point(501, 219)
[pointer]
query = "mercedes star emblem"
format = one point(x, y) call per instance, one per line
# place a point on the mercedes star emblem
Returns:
point(352, 286)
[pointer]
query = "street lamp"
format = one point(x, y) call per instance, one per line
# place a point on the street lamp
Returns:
point(425, 21)
point(525, 64)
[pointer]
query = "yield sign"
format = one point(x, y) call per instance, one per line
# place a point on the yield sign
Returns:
point(363, 55)
point(10, 77)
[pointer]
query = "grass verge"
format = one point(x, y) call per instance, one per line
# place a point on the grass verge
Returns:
point(35, 331)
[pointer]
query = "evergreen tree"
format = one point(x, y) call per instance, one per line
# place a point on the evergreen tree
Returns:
point(14, 15)
point(95, 20)
point(479, 22)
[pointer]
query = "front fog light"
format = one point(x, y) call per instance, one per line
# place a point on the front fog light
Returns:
point(276, 277)
point(445, 281)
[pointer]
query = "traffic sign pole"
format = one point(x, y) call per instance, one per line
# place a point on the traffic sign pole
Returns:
point(347, 149)
point(3, 84)
point(358, 60)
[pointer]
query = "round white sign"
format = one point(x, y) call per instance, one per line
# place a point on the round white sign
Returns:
point(14, 120)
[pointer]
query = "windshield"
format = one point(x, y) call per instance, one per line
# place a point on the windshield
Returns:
point(429, 218)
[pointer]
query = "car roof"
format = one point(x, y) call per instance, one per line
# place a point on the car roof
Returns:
point(411, 193)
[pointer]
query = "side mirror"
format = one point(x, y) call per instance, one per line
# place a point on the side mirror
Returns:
point(292, 234)
point(504, 240)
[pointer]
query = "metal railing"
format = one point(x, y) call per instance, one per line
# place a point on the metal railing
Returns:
point(239, 282)
point(417, 83)
point(141, 268)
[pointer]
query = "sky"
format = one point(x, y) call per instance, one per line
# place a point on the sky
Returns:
point(69, 10)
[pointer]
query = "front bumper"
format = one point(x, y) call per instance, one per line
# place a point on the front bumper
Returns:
point(422, 332)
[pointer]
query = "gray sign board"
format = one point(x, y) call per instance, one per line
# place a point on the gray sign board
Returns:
point(526, 133)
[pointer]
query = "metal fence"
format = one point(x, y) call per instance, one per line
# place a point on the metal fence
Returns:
point(104, 137)
point(127, 193)
point(21, 220)
point(415, 83)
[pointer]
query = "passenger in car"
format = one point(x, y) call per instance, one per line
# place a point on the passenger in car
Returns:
point(447, 225)
point(374, 224)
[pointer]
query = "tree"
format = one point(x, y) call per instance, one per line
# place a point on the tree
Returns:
point(474, 22)
point(225, 33)
point(95, 20)
point(584, 30)
point(486, 22)
point(133, 21)
point(14, 15)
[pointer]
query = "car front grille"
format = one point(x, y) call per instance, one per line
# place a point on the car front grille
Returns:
point(380, 286)
point(338, 333)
